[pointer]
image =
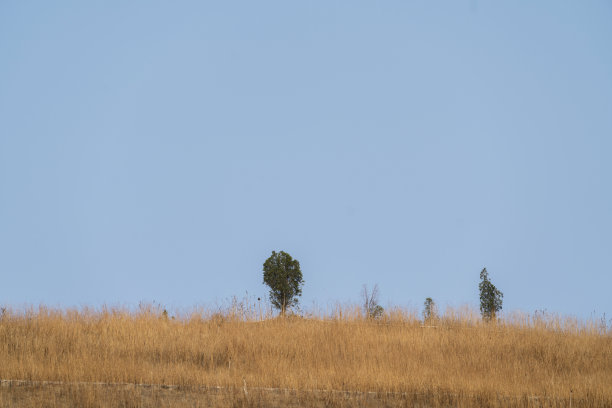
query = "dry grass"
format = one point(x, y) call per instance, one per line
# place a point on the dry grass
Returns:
point(459, 362)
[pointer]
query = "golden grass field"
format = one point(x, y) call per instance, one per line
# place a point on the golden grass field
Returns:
point(339, 360)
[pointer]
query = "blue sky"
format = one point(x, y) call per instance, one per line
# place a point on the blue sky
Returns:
point(162, 150)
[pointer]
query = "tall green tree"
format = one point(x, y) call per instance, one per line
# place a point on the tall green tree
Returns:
point(283, 275)
point(491, 298)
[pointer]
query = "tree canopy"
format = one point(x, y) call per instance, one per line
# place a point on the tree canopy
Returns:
point(491, 298)
point(430, 310)
point(283, 275)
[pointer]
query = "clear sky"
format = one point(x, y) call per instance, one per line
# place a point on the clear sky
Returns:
point(156, 150)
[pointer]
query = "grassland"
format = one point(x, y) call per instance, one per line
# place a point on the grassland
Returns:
point(144, 358)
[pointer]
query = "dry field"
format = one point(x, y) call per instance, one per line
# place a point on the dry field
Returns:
point(121, 358)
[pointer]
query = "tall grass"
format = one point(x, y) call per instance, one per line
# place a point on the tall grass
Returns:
point(456, 356)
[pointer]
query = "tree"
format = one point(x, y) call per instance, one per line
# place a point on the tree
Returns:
point(370, 303)
point(490, 298)
point(283, 275)
point(431, 311)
